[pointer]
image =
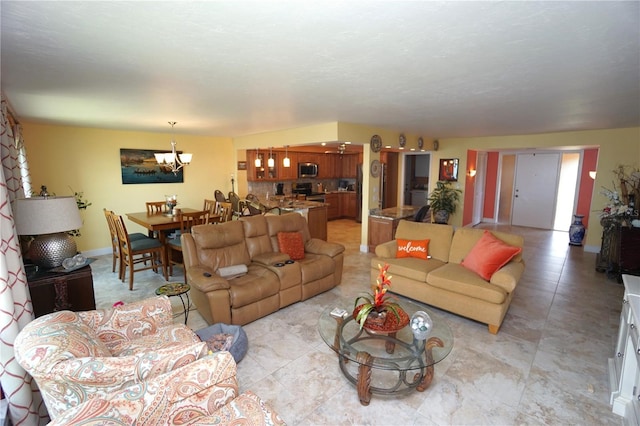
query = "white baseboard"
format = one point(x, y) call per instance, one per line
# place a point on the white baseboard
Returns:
point(364, 248)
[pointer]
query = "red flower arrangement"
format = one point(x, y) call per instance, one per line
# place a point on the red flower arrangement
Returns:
point(380, 302)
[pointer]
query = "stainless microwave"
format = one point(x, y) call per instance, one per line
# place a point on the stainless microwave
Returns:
point(307, 170)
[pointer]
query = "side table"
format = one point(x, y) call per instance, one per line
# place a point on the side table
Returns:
point(57, 291)
point(177, 289)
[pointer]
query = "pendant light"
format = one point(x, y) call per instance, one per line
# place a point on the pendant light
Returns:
point(286, 161)
point(270, 162)
point(172, 160)
point(257, 163)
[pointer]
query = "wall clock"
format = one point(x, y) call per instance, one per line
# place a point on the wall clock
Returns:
point(376, 143)
point(376, 167)
point(420, 142)
point(402, 140)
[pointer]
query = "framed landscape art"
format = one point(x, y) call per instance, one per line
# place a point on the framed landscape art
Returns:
point(140, 166)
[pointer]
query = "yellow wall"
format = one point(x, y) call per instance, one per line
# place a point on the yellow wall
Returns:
point(616, 146)
point(69, 159)
point(87, 160)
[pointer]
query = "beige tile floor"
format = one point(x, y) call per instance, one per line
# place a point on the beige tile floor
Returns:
point(547, 365)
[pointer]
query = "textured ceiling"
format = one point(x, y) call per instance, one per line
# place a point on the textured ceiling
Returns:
point(438, 69)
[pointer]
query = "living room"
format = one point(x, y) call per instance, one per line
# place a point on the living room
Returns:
point(78, 150)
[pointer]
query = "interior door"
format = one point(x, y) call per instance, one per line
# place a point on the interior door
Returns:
point(535, 190)
point(479, 188)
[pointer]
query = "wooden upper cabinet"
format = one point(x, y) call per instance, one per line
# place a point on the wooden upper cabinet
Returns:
point(263, 172)
point(349, 166)
point(288, 173)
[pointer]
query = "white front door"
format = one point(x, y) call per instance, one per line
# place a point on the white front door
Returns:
point(536, 183)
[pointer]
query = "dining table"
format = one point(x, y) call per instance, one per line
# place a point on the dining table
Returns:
point(159, 223)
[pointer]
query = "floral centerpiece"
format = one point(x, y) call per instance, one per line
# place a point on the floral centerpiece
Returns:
point(621, 203)
point(379, 303)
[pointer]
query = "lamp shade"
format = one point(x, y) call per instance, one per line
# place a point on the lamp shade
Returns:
point(46, 215)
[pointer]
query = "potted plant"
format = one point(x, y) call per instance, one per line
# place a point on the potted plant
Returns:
point(378, 304)
point(443, 201)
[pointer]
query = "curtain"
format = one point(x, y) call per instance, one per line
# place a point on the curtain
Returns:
point(25, 403)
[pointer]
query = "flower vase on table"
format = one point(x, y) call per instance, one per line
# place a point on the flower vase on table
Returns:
point(377, 310)
point(172, 202)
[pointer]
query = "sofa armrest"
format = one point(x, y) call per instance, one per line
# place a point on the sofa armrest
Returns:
point(150, 314)
point(195, 390)
point(196, 278)
point(508, 276)
point(318, 246)
point(387, 250)
point(270, 258)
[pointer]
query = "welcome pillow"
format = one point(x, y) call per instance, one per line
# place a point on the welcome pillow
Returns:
point(291, 243)
point(488, 255)
point(413, 248)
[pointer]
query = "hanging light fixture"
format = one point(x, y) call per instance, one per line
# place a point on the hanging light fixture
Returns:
point(172, 159)
point(286, 161)
point(271, 162)
point(258, 162)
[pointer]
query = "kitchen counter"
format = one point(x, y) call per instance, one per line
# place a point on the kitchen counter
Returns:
point(293, 205)
point(391, 213)
point(315, 212)
point(383, 223)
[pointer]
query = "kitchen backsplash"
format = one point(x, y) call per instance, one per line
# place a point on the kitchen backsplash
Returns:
point(262, 188)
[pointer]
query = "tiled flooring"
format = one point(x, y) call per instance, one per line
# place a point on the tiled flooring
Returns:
point(547, 365)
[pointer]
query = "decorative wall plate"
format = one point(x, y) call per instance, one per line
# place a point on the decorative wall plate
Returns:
point(436, 145)
point(376, 143)
point(420, 142)
point(376, 167)
point(402, 140)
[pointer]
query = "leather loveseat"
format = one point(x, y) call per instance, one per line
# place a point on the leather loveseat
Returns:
point(268, 279)
point(443, 281)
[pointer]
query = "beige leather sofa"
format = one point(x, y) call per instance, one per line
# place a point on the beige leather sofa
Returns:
point(269, 283)
point(442, 281)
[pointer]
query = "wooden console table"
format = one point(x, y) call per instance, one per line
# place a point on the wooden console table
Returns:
point(620, 250)
point(57, 291)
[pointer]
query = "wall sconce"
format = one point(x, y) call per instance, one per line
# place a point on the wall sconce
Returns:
point(592, 174)
point(257, 163)
point(286, 162)
point(472, 172)
point(271, 162)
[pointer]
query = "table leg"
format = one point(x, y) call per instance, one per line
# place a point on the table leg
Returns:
point(364, 377)
point(186, 308)
point(433, 342)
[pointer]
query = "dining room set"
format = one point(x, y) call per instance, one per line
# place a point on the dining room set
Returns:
point(161, 248)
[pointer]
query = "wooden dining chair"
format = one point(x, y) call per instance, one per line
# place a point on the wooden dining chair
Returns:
point(224, 210)
point(147, 252)
point(209, 205)
point(115, 244)
point(155, 207)
point(174, 245)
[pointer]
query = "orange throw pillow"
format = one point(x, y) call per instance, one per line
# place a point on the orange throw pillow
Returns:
point(488, 255)
point(413, 248)
point(291, 243)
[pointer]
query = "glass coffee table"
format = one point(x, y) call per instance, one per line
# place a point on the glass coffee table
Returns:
point(386, 363)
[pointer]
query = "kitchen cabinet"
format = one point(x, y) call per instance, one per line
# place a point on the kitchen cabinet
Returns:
point(333, 210)
point(384, 222)
point(288, 173)
point(350, 210)
point(317, 222)
point(263, 172)
point(57, 291)
point(348, 166)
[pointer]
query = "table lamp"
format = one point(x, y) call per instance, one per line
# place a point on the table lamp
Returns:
point(48, 219)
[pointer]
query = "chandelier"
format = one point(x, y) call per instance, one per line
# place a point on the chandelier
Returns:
point(172, 160)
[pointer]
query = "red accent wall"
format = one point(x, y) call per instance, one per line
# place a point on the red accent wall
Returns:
point(468, 195)
point(585, 188)
point(491, 185)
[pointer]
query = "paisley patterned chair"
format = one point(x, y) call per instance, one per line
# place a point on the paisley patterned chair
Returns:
point(131, 364)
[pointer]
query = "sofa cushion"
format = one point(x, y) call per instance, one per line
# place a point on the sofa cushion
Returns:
point(488, 255)
point(439, 236)
point(458, 279)
point(408, 267)
point(412, 248)
point(465, 238)
point(292, 244)
point(258, 284)
point(221, 245)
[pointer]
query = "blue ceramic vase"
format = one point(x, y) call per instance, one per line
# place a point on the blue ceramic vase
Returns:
point(576, 230)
